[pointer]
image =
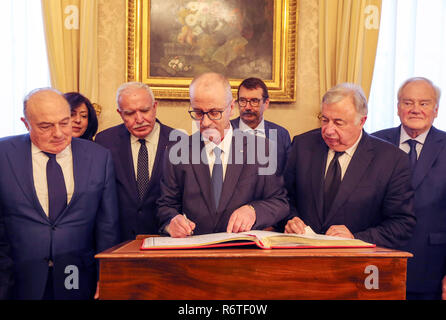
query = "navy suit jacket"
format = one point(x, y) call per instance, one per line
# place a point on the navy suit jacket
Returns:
point(374, 200)
point(428, 243)
point(6, 266)
point(186, 188)
point(88, 225)
point(283, 141)
point(136, 216)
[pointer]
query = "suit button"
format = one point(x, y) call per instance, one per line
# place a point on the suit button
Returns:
point(50, 262)
point(139, 211)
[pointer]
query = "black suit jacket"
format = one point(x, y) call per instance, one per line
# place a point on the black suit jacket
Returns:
point(283, 141)
point(428, 243)
point(374, 200)
point(136, 216)
point(186, 188)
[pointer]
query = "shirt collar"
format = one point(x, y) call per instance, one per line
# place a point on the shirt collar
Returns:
point(65, 152)
point(404, 136)
point(150, 137)
point(224, 145)
point(244, 127)
point(350, 151)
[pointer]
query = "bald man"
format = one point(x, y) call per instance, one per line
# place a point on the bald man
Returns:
point(223, 191)
point(58, 200)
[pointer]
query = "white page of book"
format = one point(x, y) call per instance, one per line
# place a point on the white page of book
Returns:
point(191, 240)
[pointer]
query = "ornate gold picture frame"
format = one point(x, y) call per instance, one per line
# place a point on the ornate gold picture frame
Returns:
point(171, 41)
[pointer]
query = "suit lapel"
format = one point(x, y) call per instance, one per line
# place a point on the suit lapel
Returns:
point(356, 169)
point(81, 172)
point(202, 175)
point(162, 146)
point(21, 163)
point(124, 168)
point(266, 126)
point(235, 123)
point(393, 136)
point(319, 159)
point(233, 171)
point(429, 153)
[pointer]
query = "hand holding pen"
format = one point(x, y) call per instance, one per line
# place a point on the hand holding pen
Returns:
point(180, 226)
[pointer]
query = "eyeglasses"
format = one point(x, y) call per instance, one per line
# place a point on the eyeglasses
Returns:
point(254, 102)
point(339, 123)
point(212, 115)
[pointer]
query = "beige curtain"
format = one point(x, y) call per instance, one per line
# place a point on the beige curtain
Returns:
point(348, 37)
point(71, 39)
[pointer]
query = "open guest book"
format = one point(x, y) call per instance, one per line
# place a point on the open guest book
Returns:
point(263, 239)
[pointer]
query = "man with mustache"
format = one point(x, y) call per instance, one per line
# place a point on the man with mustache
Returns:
point(221, 191)
point(418, 102)
point(253, 101)
point(343, 182)
point(137, 148)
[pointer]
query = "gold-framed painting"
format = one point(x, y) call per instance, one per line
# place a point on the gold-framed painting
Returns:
point(171, 41)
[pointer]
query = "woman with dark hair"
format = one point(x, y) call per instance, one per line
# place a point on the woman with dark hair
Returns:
point(83, 116)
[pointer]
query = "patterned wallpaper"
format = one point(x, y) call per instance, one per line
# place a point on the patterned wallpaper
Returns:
point(297, 117)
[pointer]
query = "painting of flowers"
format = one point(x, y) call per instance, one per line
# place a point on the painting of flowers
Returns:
point(233, 37)
point(169, 42)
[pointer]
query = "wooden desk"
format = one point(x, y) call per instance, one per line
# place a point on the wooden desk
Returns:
point(247, 273)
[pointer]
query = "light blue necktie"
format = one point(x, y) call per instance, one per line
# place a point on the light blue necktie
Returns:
point(217, 176)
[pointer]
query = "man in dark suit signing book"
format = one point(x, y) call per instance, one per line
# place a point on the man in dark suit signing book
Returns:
point(343, 182)
point(213, 181)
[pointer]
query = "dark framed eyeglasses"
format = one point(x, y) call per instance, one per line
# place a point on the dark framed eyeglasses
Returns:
point(212, 114)
point(254, 102)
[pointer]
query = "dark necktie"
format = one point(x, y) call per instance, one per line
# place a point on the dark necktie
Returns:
point(332, 182)
point(413, 152)
point(217, 176)
point(142, 173)
point(57, 191)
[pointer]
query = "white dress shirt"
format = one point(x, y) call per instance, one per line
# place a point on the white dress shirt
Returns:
point(405, 146)
point(344, 159)
point(259, 130)
point(152, 145)
point(225, 147)
point(39, 161)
